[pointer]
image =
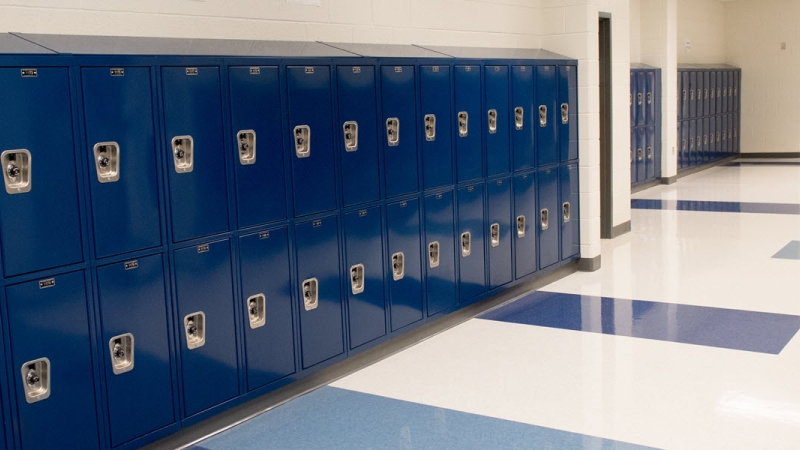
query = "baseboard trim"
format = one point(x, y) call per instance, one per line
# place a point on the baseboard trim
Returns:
point(620, 229)
point(771, 155)
point(589, 264)
point(643, 186)
point(694, 170)
point(669, 180)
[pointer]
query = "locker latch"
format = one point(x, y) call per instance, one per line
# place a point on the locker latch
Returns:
point(350, 136)
point(398, 266)
point(494, 233)
point(565, 113)
point(357, 278)
point(545, 215)
point(649, 152)
point(699, 140)
point(433, 254)
point(639, 98)
point(730, 136)
point(630, 99)
point(649, 98)
point(565, 211)
point(194, 325)
point(463, 123)
point(247, 146)
point(699, 94)
point(393, 131)
point(183, 153)
point(302, 141)
point(691, 94)
point(684, 144)
point(719, 92)
point(519, 114)
point(712, 93)
point(492, 121)
point(684, 94)
point(430, 127)
point(36, 380)
point(17, 171)
point(631, 155)
point(691, 143)
point(106, 160)
point(705, 93)
point(730, 91)
point(520, 227)
point(543, 115)
point(718, 139)
point(310, 289)
point(639, 154)
point(121, 349)
point(257, 310)
point(466, 244)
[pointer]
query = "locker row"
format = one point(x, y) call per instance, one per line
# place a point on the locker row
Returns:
point(708, 90)
point(645, 104)
point(706, 140)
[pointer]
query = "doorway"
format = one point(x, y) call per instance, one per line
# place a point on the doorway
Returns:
point(606, 126)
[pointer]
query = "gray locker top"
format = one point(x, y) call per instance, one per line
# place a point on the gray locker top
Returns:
point(118, 45)
point(387, 50)
point(643, 66)
point(496, 53)
point(706, 67)
point(10, 44)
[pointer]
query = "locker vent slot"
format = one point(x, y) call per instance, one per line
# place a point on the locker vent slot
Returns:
point(492, 121)
point(350, 136)
point(546, 218)
point(494, 232)
point(194, 325)
point(393, 131)
point(302, 141)
point(519, 114)
point(520, 227)
point(36, 380)
point(463, 123)
point(310, 289)
point(565, 113)
point(357, 278)
point(430, 127)
point(466, 244)
point(257, 310)
point(247, 146)
point(543, 115)
point(565, 211)
point(17, 171)
point(106, 161)
point(398, 266)
point(121, 350)
point(433, 254)
point(183, 153)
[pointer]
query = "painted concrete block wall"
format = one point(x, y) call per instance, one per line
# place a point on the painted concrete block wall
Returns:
point(636, 30)
point(703, 23)
point(770, 92)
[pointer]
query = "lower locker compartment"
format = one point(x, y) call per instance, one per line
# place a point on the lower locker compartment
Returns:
point(548, 222)
point(136, 347)
point(403, 260)
point(641, 161)
point(692, 148)
point(440, 280)
point(51, 361)
point(650, 153)
point(364, 264)
point(206, 324)
point(570, 211)
point(499, 229)
point(706, 140)
point(525, 220)
point(470, 251)
point(632, 153)
point(266, 304)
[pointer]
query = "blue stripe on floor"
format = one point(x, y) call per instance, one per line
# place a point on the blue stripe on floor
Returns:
point(687, 324)
point(696, 205)
point(791, 251)
point(762, 163)
point(332, 418)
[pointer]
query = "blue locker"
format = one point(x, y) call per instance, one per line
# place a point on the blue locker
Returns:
point(193, 128)
point(632, 99)
point(400, 142)
point(570, 211)
point(266, 303)
point(724, 149)
point(522, 110)
point(706, 94)
point(698, 142)
point(121, 149)
point(40, 227)
point(712, 138)
point(568, 102)
point(650, 153)
point(641, 159)
point(548, 222)
point(683, 95)
point(699, 93)
point(727, 90)
point(499, 229)
point(525, 213)
point(49, 331)
point(498, 150)
point(707, 137)
point(546, 92)
point(364, 258)
point(437, 142)
point(641, 98)
point(736, 87)
point(650, 98)
point(139, 384)
point(683, 141)
point(692, 147)
point(632, 155)
point(310, 122)
point(319, 290)
point(730, 134)
point(3, 423)
point(720, 90)
point(256, 120)
point(358, 134)
point(440, 280)
point(692, 99)
point(204, 289)
point(736, 144)
point(469, 142)
point(470, 254)
point(712, 93)
point(405, 285)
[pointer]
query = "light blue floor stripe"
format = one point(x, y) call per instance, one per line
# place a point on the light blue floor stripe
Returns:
point(331, 418)
point(791, 251)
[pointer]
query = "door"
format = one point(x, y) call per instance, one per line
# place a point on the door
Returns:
point(400, 134)
point(683, 100)
point(633, 155)
point(692, 98)
point(726, 91)
point(720, 92)
point(440, 280)
point(498, 150)
point(403, 262)
point(692, 147)
point(522, 110)
point(641, 98)
point(632, 98)
point(548, 217)
point(707, 90)
point(499, 232)
point(568, 128)
point(470, 235)
point(650, 97)
point(706, 140)
point(699, 88)
point(546, 130)
point(437, 139)
point(570, 211)
point(641, 157)
point(525, 224)
point(469, 156)
point(649, 154)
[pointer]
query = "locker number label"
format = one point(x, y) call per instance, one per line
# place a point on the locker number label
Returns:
point(398, 69)
point(317, 223)
point(44, 284)
point(356, 69)
point(28, 72)
point(435, 68)
point(362, 213)
point(309, 70)
point(117, 72)
point(263, 235)
point(255, 71)
point(130, 265)
point(191, 71)
point(202, 248)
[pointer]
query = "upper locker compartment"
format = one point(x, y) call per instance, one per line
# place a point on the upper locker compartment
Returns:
point(469, 139)
point(568, 112)
point(641, 98)
point(547, 129)
point(436, 125)
point(523, 112)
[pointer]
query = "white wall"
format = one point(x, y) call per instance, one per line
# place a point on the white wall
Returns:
point(636, 30)
point(703, 23)
point(770, 91)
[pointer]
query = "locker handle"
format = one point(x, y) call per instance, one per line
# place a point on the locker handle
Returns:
point(350, 136)
point(649, 98)
point(565, 113)
point(302, 141)
point(17, 171)
point(106, 160)
point(310, 290)
point(494, 232)
point(691, 94)
point(649, 152)
point(393, 131)
point(121, 349)
point(684, 94)
point(639, 154)
point(357, 279)
point(398, 266)
point(430, 127)
point(699, 94)
point(519, 114)
point(183, 153)
point(433, 254)
point(706, 94)
point(545, 218)
point(257, 310)
point(194, 326)
point(466, 244)
point(36, 380)
point(630, 99)
point(691, 143)
point(520, 227)
point(631, 156)
point(463, 123)
point(639, 98)
point(492, 121)
point(543, 115)
point(565, 212)
point(247, 147)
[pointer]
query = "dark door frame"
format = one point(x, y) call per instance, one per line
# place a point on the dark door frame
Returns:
point(606, 129)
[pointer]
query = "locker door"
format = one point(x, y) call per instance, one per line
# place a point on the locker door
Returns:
point(707, 89)
point(40, 225)
point(3, 443)
point(525, 214)
point(139, 380)
point(641, 158)
point(256, 120)
point(364, 262)
point(548, 217)
point(727, 79)
point(641, 98)
point(707, 136)
point(266, 304)
point(568, 131)
point(49, 330)
point(730, 134)
point(546, 92)
point(440, 258)
point(736, 88)
point(470, 254)
point(649, 153)
point(522, 110)
point(633, 154)
point(712, 138)
point(698, 142)
point(570, 211)
point(699, 93)
point(399, 107)
point(712, 93)
point(498, 150)
point(310, 122)
point(632, 99)
point(405, 284)
point(499, 229)
point(736, 144)
point(650, 98)
point(319, 291)
point(724, 148)
point(123, 173)
point(193, 127)
point(720, 97)
point(437, 145)
point(692, 98)
point(683, 95)
point(692, 147)
point(206, 325)
point(684, 142)
point(468, 109)
point(358, 118)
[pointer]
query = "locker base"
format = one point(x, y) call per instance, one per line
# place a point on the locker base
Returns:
point(692, 170)
point(669, 180)
point(590, 264)
point(646, 185)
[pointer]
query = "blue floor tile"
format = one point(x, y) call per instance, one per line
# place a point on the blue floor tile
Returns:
point(695, 205)
point(791, 251)
point(331, 418)
point(687, 324)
